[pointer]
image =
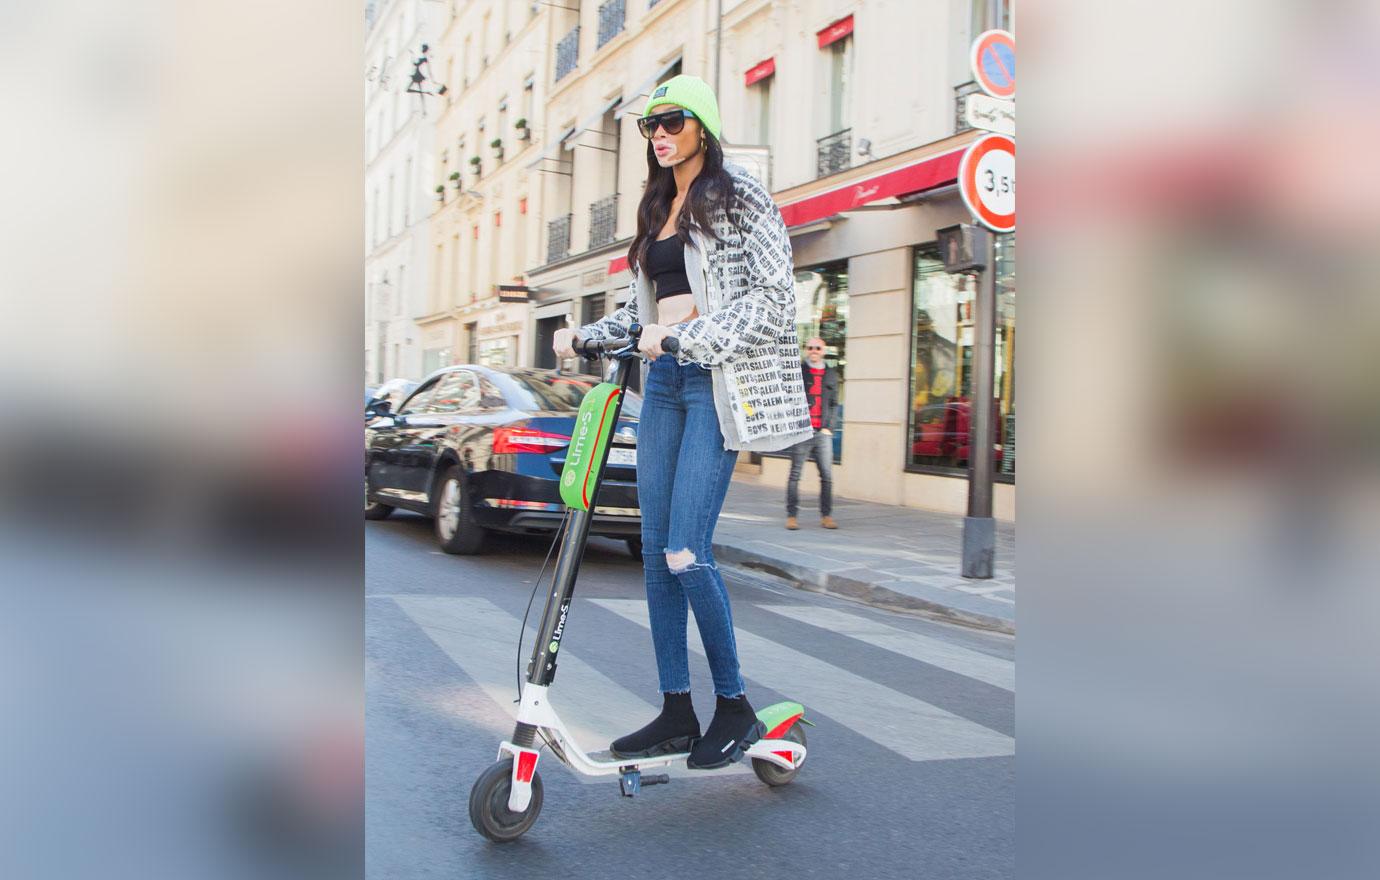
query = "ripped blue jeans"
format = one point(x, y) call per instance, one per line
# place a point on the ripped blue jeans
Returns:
point(683, 473)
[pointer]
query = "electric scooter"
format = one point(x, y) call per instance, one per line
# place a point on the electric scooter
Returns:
point(507, 797)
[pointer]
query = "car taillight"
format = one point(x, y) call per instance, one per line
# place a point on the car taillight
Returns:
point(527, 440)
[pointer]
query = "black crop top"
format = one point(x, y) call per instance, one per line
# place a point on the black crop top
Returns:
point(666, 265)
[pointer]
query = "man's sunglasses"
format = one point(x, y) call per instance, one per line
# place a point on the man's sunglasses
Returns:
point(671, 122)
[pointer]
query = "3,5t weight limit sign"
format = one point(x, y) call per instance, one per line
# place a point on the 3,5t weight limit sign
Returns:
point(987, 181)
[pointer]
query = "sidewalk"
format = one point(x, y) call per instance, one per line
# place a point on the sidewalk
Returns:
point(896, 558)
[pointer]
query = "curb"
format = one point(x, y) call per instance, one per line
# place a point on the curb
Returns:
point(815, 581)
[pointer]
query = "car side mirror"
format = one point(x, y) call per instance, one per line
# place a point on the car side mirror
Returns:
point(378, 409)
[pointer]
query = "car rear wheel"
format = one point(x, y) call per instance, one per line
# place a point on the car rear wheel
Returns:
point(456, 530)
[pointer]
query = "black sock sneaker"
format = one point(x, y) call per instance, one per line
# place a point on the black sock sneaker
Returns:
point(674, 730)
point(734, 729)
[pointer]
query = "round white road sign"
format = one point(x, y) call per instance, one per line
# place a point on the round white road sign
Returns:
point(987, 181)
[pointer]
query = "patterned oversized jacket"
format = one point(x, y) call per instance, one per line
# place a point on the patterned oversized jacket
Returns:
point(744, 289)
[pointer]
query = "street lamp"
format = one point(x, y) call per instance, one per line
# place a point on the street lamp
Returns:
point(418, 79)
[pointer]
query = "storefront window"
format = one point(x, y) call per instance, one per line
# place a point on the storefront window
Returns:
point(495, 352)
point(434, 359)
point(821, 301)
point(941, 363)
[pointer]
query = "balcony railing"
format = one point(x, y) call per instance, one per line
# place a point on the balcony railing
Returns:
point(611, 15)
point(568, 52)
point(603, 217)
point(558, 239)
point(833, 152)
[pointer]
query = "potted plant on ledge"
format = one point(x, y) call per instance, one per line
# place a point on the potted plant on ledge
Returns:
point(523, 132)
point(497, 144)
point(455, 178)
point(441, 193)
point(475, 165)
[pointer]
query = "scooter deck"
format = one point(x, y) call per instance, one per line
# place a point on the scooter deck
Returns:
point(762, 748)
point(776, 719)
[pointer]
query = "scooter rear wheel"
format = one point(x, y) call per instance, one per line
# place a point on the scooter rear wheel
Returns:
point(770, 773)
point(489, 811)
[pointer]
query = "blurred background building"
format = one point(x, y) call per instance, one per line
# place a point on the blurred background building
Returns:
point(484, 231)
point(851, 112)
point(399, 129)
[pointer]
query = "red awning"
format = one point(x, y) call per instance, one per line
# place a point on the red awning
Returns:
point(835, 32)
point(916, 177)
point(760, 72)
point(922, 175)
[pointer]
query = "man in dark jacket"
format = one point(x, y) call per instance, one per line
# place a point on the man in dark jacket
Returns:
point(822, 392)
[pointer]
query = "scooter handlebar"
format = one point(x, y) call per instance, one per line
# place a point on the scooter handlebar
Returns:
point(595, 348)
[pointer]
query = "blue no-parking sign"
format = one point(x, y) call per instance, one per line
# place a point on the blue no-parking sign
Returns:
point(994, 63)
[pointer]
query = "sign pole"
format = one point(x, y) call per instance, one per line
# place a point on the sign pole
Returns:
point(979, 528)
point(987, 182)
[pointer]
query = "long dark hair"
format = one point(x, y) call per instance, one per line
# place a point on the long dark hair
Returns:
point(710, 192)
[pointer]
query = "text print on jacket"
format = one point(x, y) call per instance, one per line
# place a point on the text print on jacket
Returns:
point(744, 290)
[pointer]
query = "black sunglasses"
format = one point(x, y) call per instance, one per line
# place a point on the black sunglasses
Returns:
point(671, 122)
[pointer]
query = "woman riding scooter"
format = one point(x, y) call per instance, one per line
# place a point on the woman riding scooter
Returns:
point(711, 265)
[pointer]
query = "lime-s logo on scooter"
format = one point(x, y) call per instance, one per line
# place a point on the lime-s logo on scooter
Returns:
point(594, 425)
point(560, 628)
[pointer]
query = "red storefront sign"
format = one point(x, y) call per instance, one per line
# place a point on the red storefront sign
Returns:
point(760, 72)
point(916, 177)
point(922, 175)
point(836, 31)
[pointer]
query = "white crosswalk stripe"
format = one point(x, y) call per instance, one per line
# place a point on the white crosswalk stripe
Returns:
point(480, 638)
point(936, 652)
point(897, 721)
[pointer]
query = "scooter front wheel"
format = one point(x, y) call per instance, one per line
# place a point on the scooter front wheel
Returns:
point(489, 804)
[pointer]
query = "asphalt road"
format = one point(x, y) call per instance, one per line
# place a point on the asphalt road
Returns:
point(911, 767)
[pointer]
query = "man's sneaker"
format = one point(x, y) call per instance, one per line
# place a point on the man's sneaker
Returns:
point(792, 523)
point(733, 731)
point(828, 522)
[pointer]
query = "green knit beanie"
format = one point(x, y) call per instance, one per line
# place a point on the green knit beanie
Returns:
point(692, 93)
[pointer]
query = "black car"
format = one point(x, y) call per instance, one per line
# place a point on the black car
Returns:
point(480, 449)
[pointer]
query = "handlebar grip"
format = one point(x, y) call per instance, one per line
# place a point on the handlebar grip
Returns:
point(593, 348)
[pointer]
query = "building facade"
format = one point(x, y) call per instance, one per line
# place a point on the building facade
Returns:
point(485, 201)
point(398, 161)
point(861, 105)
point(605, 60)
point(851, 113)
